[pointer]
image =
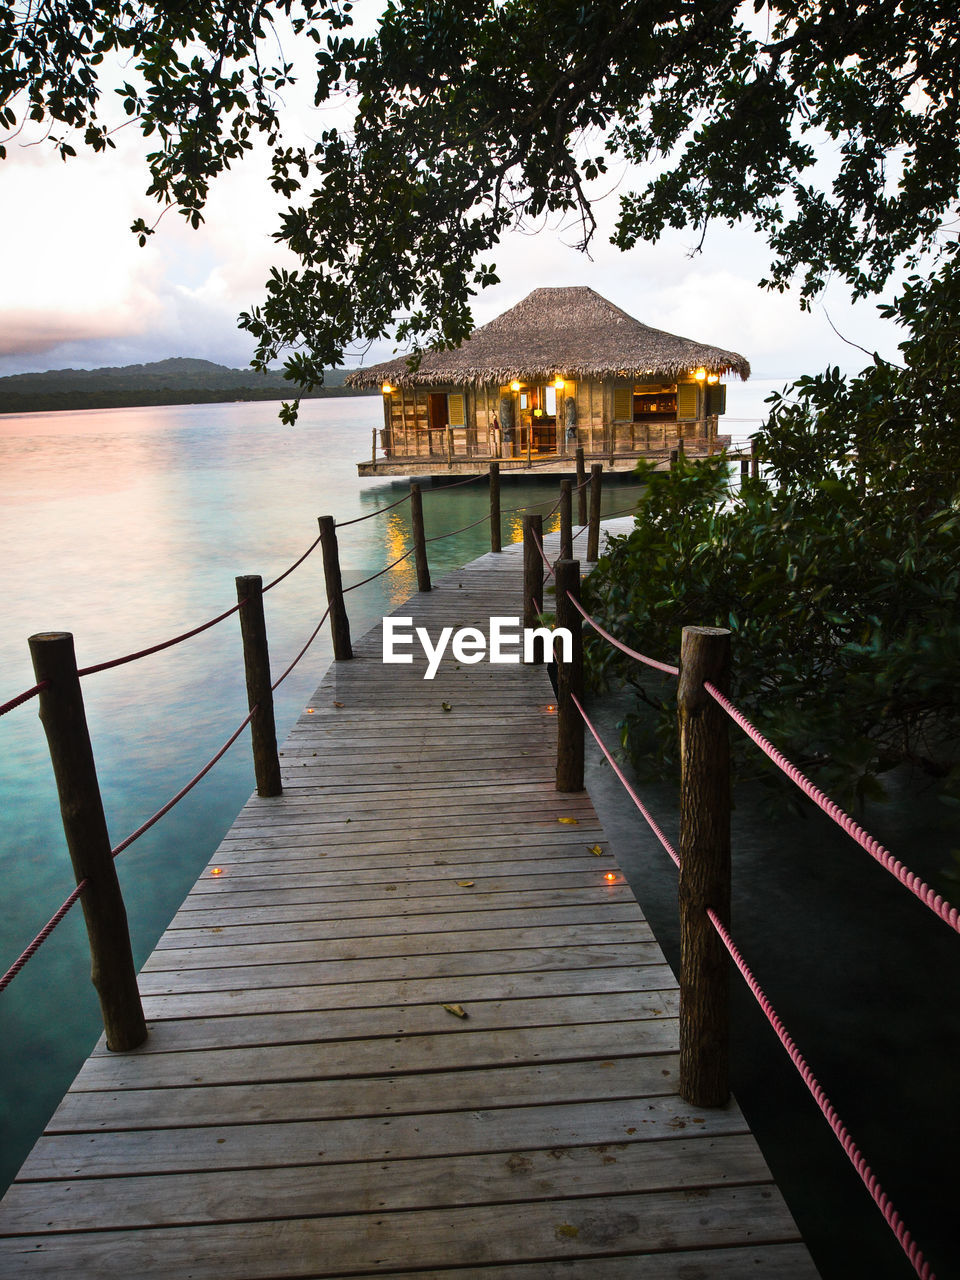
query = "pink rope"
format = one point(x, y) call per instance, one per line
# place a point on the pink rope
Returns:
point(869, 1179)
point(363, 582)
point(296, 565)
point(617, 644)
point(543, 555)
point(438, 537)
point(909, 879)
point(165, 644)
point(342, 524)
point(42, 936)
point(21, 698)
point(630, 791)
point(279, 681)
point(125, 844)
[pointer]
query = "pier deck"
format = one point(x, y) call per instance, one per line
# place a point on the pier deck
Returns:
point(306, 1104)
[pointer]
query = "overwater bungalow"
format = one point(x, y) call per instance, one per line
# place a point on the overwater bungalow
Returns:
point(563, 368)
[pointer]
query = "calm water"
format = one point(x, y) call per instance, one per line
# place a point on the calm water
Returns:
point(126, 526)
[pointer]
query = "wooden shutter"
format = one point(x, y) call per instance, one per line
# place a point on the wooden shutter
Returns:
point(623, 403)
point(456, 410)
point(686, 400)
point(716, 399)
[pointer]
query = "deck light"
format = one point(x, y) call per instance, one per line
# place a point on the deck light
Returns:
point(610, 877)
point(386, 388)
point(700, 374)
point(216, 871)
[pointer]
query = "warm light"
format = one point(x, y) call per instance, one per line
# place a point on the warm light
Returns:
point(700, 374)
point(386, 388)
point(559, 384)
point(514, 386)
point(550, 708)
point(216, 871)
point(713, 377)
point(610, 877)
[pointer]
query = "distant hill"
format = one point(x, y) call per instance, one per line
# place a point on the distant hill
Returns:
point(180, 380)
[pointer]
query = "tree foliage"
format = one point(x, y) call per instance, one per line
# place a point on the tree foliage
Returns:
point(837, 570)
point(474, 116)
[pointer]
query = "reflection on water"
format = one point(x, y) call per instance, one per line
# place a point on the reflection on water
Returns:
point(126, 526)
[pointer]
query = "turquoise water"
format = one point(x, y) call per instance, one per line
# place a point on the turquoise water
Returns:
point(126, 526)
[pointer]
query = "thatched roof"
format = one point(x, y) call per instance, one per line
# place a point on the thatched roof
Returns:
point(569, 331)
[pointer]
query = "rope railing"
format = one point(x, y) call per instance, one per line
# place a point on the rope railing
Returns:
point(439, 537)
point(648, 817)
point(32, 948)
point(379, 512)
point(185, 790)
point(926, 895)
point(909, 879)
point(280, 679)
point(45, 932)
point(21, 698)
point(157, 648)
point(380, 572)
point(867, 1176)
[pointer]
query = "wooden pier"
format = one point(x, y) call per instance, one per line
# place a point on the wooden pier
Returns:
point(410, 1022)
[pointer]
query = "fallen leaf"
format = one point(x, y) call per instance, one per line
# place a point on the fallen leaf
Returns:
point(457, 1010)
point(446, 706)
point(575, 822)
point(466, 884)
point(339, 704)
point(568, 1230)
point(595, 848)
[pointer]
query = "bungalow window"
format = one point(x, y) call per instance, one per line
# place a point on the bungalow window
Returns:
point(643, 402)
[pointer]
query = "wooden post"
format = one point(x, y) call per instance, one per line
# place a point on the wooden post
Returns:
point(593, 533)
point(681, 446)
point(339, 622)
point(581, 487)
point(569, 680)
point(532, 569)
point(65, 725)
point(449, 450)
point(373, 447)
point(419, 537)
point(704, 866)
point(744, 470)
point(754, 461)
point(256, 662)
point(530, 444)
point(496, 540)
point(566, 519)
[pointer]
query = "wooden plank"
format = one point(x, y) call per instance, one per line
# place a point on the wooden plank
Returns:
point(502, 986)
point(453, 964)
point(370, 1096)
point(363, 1139)
point(327, 1055)
point(521, 1176)
point(281, 952)
point(217, 935)
point(337, 1246)
point(368, 1021)
point(491, 905)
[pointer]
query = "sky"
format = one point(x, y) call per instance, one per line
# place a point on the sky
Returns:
point(77, 291)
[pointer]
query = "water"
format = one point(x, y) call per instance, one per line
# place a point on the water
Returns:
point(126, 526)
